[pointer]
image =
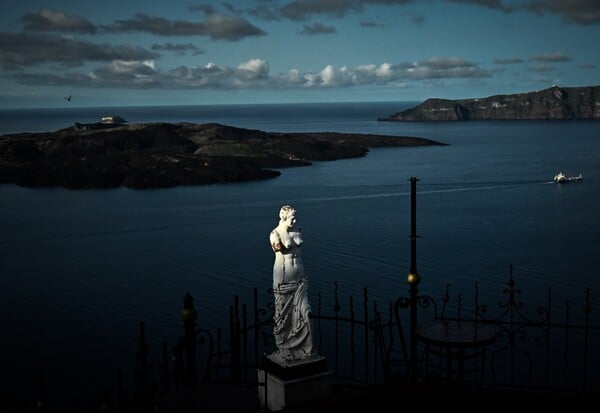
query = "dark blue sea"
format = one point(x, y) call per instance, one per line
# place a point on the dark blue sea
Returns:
point(79, 269)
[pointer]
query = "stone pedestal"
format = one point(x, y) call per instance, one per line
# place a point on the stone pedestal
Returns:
point(287, 383)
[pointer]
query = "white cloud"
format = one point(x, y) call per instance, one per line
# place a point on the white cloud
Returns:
point(255, 73)
point(327, 76)
point(293, 77)
point(384, 71)
point(118, 72)
point(254, 69)
point(127, 66)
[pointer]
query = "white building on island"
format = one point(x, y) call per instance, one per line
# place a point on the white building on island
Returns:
point(112, 120)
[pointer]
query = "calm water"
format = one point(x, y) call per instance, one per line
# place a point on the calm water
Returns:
point(80, 269)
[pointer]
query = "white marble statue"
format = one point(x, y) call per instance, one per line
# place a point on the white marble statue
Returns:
point(292, 325)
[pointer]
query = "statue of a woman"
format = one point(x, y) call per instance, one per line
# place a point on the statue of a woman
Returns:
point(292, 326)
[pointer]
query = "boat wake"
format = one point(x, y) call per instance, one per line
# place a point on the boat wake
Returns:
point(437, 188)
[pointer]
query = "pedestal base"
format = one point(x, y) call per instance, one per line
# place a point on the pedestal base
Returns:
point(284, 383)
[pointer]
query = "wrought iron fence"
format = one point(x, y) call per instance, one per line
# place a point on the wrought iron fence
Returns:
point(547, 346)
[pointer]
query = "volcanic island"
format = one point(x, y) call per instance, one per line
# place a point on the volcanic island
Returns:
point(160, 155)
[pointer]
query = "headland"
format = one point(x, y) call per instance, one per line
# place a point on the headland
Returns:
point(158, 155)
point(554, 103)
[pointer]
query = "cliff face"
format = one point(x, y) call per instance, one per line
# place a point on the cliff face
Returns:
point(552, 103)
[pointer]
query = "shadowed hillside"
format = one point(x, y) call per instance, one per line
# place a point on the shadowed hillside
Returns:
point(157, 155)
point(552, 103)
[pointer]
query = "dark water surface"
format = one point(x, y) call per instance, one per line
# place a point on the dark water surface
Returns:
point(79, 269)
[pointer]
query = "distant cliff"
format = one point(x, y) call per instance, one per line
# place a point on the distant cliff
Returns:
point(552, 103)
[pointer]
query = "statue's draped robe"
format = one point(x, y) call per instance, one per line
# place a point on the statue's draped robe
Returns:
point(292, 329)
point(292, 325)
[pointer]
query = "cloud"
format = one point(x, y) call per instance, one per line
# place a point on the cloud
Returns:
point(253, 69)
point(220, 26)
point(178, 48)
point(251, 74)
point(317, 28)
point(304, 9)
point(56, 21)
point(27, 49)
point(448, 67)
point(508, 61)
point(386, 73)
point(255, 74)
point(370, 24)
point(490, 4)
point(264, 11)
point(49, 79)
point(136, 74)
point(551, 57)
point(216, 26)
point(119, 72)
point(542, 68)
point(198, 77)
point(577, 11)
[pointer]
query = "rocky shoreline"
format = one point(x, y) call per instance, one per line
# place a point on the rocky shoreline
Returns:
point(158, 155)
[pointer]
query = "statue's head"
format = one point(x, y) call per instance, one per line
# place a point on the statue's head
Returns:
point(286, 211)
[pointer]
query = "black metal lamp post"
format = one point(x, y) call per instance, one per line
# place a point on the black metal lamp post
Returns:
point(189, 316)
point(413, 278)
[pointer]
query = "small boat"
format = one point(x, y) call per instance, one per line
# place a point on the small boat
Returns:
point(561, 178)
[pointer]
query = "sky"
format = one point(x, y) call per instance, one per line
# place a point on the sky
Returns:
point(148, 53)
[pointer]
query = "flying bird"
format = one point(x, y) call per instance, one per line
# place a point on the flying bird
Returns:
point(68, 98)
